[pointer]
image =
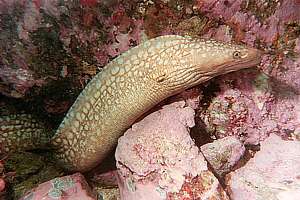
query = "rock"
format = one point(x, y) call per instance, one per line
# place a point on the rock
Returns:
point(105, 179)
point(157, 159)
point(272, 174)
point(2, 185)
point(72, 187)
point(205, 187)
point(106, 185)
point(223, 154)
point(26, 170)
point(111, 193)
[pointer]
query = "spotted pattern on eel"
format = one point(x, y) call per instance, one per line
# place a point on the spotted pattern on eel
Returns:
point(22, 132)
point(133, 83)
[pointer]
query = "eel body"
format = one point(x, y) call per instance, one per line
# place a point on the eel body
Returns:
point(21, 132)
point(133, 83)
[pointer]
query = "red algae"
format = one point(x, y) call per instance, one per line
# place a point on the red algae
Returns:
point(88, 2)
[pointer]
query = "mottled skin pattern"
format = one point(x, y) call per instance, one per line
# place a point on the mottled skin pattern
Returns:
point(133, 83)
point(22, 132)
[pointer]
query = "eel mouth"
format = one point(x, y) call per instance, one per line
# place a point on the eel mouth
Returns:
point(252, 59)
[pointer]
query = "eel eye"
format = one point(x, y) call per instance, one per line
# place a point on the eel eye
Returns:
point(161, 78)
point(237, 54)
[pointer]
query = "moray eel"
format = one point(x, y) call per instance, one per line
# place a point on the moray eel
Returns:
point(22, 132)
point(133, 83)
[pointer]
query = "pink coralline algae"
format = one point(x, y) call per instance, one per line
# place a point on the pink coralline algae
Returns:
point(247, 24)
point(157, 159)
point(51, 40)
point(297, 46)
point(21, 79)
point(2, 181)
point(253, 104)
point(30, 22)
point(232, 112)
point(272, 174)
point(2, 185)
point(121, 40)
point(73, 187)
point(251, 110)
point(121, 32)
point(219, 8)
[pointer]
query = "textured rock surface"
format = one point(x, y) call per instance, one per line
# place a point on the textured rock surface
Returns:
point(272, 174)
point(73, 187)
point(108, 193)
point(24, 171)
point(106, 185)
point(223, 154)
point(157, 159)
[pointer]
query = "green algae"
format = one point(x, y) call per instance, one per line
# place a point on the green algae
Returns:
point(30, 170)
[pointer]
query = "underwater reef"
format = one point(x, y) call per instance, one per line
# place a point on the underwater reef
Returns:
point(234, 137)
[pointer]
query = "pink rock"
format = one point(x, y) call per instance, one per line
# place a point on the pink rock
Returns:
point(88, 2)
point(192, 97)
point(297, 45)
point(288, 11)
point(20, 79)
point(240, 111)
point(223, 154)
point(254, 105)
point(73, 187)
point(32, 17)
point(247, 25)
point(106, 185)
point(80, 39)
point(2, 185)
point(157, 159)
point(203, 187)
point(272, 174)
point(107, 178)
point(223, 9)
point(251, 106)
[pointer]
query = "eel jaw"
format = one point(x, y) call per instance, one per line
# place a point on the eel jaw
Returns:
point(252, 59)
